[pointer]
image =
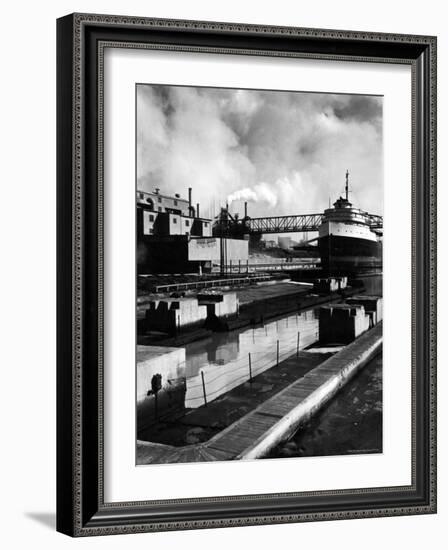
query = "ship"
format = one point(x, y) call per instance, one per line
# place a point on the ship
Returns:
point(350, 239)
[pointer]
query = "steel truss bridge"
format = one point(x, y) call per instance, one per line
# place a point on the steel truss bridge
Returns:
point(285, 224)
point(296, 224)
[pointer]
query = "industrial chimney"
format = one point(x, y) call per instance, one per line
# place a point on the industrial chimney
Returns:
point(245, 209)
point(189, 197)
point(197, 210)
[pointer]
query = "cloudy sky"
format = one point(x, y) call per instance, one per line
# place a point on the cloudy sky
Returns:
point(284, 152)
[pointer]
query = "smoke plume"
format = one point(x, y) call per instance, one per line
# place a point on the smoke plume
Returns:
point(283, 152)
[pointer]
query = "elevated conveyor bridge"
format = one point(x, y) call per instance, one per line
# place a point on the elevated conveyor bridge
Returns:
point(299, 223)
point(285, 224)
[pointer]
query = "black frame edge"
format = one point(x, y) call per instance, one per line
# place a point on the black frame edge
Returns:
point(99, 519)
point(64, 175)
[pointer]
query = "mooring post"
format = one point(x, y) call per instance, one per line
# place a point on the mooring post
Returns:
point(203, 388)
point(298, 343)
point(278, 350)
point(250, 369)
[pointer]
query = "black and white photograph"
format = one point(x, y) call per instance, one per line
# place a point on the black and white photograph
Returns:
point(259, 274)
point(226, 218)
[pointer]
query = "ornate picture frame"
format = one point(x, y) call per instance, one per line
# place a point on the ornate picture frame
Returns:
point(81, 506)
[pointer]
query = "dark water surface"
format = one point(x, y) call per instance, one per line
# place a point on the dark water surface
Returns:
point(373, 283)
point(350, 424)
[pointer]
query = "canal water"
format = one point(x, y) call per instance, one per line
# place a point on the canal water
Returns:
point(373, 283)
point(350, 424)
point(228, 359)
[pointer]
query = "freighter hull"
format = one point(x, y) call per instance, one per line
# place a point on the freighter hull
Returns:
point(348, 254)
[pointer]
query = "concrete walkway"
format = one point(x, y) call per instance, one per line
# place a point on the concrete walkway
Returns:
point(254, 435)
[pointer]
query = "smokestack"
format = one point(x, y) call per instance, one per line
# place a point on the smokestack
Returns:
point(197, 210)
point(189, 197)
point(245, 209)
point(227, 206)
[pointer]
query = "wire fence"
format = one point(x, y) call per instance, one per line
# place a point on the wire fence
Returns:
point(265, 349)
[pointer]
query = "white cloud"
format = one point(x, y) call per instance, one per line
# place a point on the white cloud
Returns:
point(284, 152)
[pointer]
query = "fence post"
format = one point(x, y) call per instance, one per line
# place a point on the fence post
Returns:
point(278, 350)
point(203, 388)
point(298, 343)
point(250, 369)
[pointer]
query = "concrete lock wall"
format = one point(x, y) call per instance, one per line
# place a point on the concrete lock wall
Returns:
point(331, 284)
point(223, 305)
point(171, 315)
point(342, 282)
point(170, 364)
point(342, 323)
point(228, 307)
point(189, 313)
point(220, 307)
point(373, 306)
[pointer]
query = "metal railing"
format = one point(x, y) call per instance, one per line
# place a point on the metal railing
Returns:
point(210, 283)
point(280, 266)
point(376, 222)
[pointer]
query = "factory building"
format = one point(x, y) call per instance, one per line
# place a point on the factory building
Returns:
point(172, 237)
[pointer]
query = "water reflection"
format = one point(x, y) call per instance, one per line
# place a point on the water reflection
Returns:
point(229, 359)
point(373, 283)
